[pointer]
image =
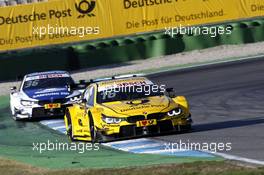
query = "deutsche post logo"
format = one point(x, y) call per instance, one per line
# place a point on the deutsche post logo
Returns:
point(85, 7)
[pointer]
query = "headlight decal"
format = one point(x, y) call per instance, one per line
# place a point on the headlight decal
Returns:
point(27, 102)
point(111, 120)
point(175, 112)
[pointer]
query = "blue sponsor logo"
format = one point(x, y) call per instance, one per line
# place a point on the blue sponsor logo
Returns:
point(48, 94)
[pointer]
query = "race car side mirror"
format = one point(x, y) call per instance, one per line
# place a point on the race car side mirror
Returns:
point(14, 88)
point(170, 92)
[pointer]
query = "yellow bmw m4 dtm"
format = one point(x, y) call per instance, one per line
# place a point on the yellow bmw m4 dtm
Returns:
point(124, 107)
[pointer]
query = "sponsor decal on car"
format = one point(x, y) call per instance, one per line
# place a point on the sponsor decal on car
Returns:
point(143, 123)
point(52, 106)
point(51, 94)
point(143, 107)
point(45, 76)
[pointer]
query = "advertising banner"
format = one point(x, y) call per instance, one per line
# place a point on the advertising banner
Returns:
point(55, 22)
point(66, 21)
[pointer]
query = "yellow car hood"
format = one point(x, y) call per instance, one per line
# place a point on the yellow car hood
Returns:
point(141, 106)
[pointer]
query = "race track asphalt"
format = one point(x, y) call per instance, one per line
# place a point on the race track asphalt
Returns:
point(227, 105)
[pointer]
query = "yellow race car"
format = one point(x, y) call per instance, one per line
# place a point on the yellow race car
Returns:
point(126, 106)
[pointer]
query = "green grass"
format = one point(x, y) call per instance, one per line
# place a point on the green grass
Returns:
point(197, 168)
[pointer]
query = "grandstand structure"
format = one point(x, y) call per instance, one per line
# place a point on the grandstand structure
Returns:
point(4, 3)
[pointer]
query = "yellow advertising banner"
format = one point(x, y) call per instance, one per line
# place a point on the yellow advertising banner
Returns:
point(54, 22)
point(145, 15)
point(66, 21)
point(250, 8)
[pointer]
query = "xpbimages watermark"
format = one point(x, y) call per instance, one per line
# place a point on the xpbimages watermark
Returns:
point(79, 147)
point(212, 31)
point(139, 87)
point(65, 31)
point(213, 147)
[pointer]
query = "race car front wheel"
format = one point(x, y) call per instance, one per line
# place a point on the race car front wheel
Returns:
point(92, 129)
point(95, 135)
point(69, 125)
point(15, 118)
point(13, 113)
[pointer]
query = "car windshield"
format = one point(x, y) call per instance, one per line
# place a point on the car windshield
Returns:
point(127, 93)
point(47, 83)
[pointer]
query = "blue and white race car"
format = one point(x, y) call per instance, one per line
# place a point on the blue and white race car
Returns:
point(43, 94)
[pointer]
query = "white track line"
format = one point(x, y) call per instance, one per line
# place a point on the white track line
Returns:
point(59, 127)
point(52, 122)
point(238, 158)
point(126, 141)
point(161, 151)
point(142, 146)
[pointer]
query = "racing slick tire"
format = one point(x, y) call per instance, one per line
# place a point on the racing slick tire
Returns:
point(13, 113)
point(94, 136)
point(69, 129)
point(15, 118)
